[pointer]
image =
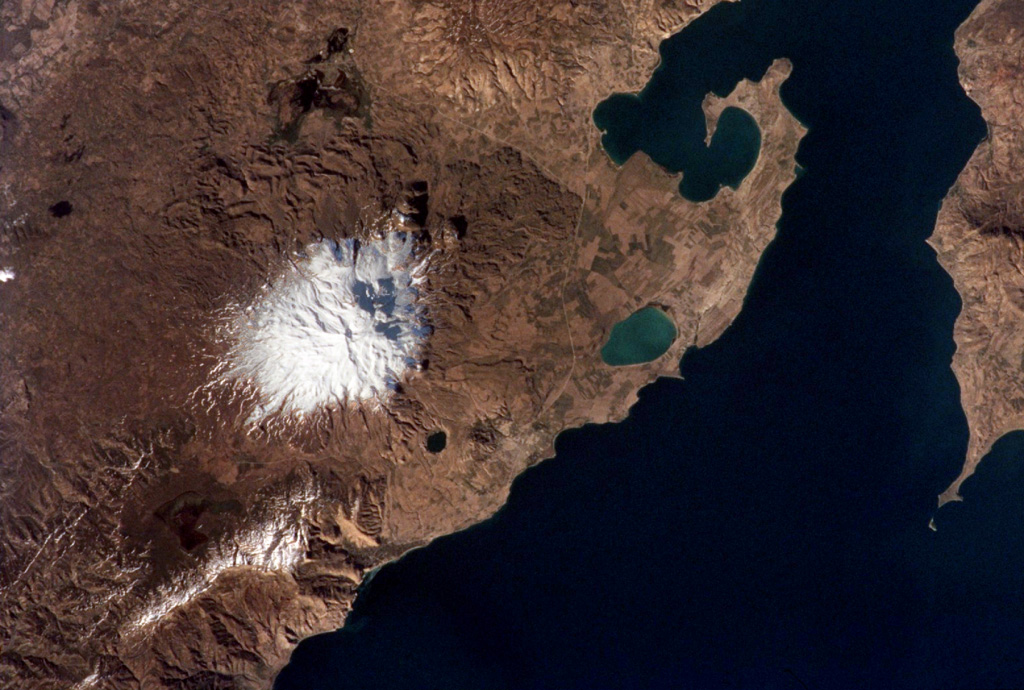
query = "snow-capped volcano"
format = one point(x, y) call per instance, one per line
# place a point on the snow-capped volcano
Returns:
point(342, 324)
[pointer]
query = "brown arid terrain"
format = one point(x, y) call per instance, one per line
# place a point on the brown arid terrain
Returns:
point(979, 235)
point(162, 160)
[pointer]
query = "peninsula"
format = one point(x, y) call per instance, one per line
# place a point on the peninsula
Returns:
point(979, 235)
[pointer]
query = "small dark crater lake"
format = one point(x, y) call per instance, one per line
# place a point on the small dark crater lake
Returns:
point(762, 523)
point(437, 442)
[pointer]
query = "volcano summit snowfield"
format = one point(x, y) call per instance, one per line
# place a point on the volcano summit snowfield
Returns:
point(342, 325)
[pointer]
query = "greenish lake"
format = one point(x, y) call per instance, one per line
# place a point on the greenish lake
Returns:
point(641, 337)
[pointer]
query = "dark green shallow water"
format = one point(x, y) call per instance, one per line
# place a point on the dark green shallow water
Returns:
point(643, 336)
point(762, 523)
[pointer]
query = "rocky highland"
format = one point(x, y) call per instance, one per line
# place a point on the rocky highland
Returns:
point(161, 162)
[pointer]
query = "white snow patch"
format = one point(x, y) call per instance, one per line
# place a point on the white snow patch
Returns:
point(343, 324)
point(6, 274)
point(274, 542)
point(88, 682)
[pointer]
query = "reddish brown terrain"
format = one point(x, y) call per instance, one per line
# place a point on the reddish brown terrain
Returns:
point(163, 160)
point(979, 235)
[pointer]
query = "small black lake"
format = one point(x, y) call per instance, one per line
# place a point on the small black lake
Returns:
point(763, 523)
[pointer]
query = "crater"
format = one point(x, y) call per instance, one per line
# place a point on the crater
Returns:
point(182, 516)
point(437, 441)
point(61, 209)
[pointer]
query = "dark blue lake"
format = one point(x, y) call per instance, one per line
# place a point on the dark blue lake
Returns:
point(763, 523)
